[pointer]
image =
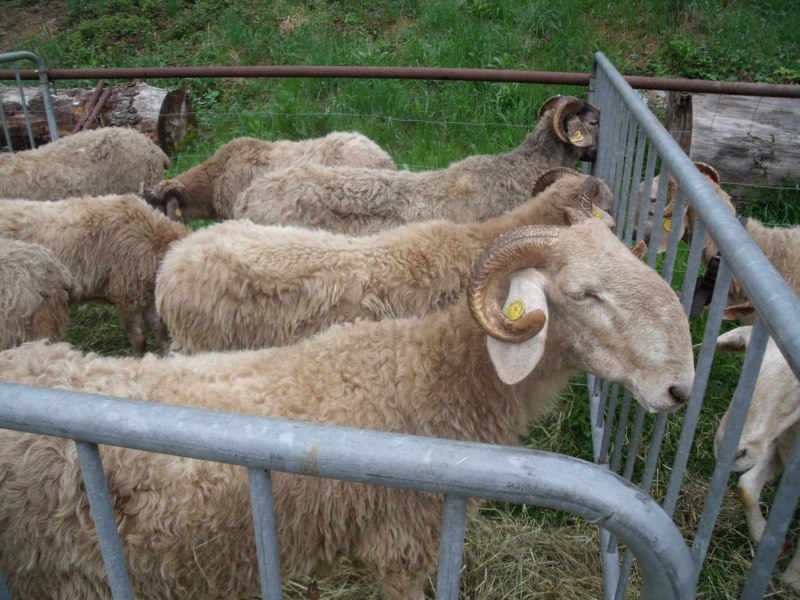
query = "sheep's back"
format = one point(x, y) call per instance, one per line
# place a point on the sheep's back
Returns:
point(35, 291)
point(110, 160)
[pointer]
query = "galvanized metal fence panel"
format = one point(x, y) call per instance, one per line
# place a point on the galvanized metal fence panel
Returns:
point(14, 58)
point(633, 148)
point(427, 464)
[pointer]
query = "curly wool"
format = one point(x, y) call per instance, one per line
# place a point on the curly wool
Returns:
point(112, 245)
point(35, 293)
point(109, 160)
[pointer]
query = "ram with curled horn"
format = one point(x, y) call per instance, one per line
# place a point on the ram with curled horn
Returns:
point(365, 201)
point(431, 376)
point(300, 282)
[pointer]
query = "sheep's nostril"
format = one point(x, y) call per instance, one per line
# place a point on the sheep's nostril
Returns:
point(741, 454)
point(680, 394)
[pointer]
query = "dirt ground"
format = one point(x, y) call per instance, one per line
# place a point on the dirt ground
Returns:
point(22, 19)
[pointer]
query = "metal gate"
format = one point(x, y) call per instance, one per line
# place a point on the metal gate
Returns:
point(633, 146)
point(14, 58)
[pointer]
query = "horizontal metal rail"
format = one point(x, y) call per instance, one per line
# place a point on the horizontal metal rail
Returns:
point(355, 72)
point(461, 469)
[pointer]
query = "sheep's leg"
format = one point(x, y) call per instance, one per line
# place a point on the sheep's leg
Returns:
point(791, 576)
point(133, 323)
point(158, 328)
point(750, 485)
point(403, 586)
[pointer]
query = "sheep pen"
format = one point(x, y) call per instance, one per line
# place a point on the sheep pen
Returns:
point(96, 162)
point(239, 285)
point(427, 370)
point(209, 190)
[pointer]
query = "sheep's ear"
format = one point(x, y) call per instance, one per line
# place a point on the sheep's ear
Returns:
point(735, 340)
point(639, 249)
point(173, 209)
point(738, 311)
point(514, 361)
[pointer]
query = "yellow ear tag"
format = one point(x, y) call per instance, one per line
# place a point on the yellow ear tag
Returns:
point(178, 213)
point(576, 137)
point(667, 224)
point(515, 310)
point(597, 214)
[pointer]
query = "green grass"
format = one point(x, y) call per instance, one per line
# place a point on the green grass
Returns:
point(428, 124)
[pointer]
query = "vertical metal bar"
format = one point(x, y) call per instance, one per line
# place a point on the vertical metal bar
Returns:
point(24, 104)
point(658, 215)
point(609, 557)
point(722, 468)
point(451, 547)
point(266, 533)
point(618, 143)
point(625, 224)
point(668, 268)
point(49, 111)
point(644, 200)
point(6, 132)
point(693, 264)
point(627, 191)
point(622, 427)
point(610, 421)
point(702, 371)
point(780, 514)
point(103, 516)
point(4, 593)
point(633, 443)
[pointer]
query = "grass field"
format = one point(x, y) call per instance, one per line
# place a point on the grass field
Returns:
point(513, 552)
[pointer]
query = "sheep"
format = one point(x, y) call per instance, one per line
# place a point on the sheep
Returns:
point(110, 160)
point(686, 221)
point(361, 201)
point(577, 299)
point(781, 245)
point(208, 190)
point(771, 425)
point(112, 246)
point(240, 285)
point(35, 293)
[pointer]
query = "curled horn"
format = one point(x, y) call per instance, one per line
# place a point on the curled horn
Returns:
point(568, 105)
point(548, 104)
point(708, 170)
point(589, 192)
point(548, 178)
point(672, 192)
point(513, 250)
point(167, 196)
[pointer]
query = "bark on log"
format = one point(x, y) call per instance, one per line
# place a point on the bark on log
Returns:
point(163, 115)
point(749, 140)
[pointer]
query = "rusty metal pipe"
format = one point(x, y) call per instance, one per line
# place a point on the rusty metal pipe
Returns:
point(494, 75)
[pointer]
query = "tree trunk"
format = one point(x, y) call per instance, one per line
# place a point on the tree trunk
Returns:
point(163, 115)
point(751, 141)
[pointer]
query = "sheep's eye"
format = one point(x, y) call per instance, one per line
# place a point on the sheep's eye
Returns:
point(584, 296)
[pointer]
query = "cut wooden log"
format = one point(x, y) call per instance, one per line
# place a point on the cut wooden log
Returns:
point(163, 115)
point(750, 140)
